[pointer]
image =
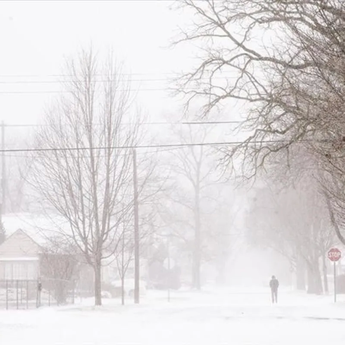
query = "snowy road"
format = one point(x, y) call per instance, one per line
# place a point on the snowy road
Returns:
point(214, 318)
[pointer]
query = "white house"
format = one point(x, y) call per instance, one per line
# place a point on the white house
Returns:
point(19, 257)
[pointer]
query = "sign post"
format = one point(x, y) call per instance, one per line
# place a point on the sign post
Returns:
point(335, 281)
point(334, 254)
point(169, 264)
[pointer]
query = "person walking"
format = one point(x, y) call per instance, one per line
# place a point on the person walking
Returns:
point(274, 284)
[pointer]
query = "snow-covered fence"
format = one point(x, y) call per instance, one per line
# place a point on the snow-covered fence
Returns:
point(28, 294)
point(18, 294)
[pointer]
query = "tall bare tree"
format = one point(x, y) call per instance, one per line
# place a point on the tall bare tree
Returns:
point(83, 163)
point(294, 222)
point(124, 256)
point(285, 60)
point(193, 175)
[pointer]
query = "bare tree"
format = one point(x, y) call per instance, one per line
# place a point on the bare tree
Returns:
point(16, 168)
point(276, 74)
point(332, 180)
point(189, 195)
point(59, 268)
point(291, 78)
point(124, 257)
point(294, 222)
point(83, 163)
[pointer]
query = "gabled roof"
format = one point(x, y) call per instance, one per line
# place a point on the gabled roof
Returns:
point(38, 228)
point(19, 245)
point(23, 233)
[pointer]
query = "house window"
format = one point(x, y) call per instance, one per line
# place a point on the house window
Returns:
point(2, 271)
point(19, 270)
point(31, 271)
point(8, 271)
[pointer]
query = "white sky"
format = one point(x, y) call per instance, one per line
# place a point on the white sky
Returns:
point(36, 37)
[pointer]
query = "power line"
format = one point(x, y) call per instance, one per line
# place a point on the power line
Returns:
point(61, 81)
point(145, 123)
point(100, 1)
point(131, 147)
point(61, 91)
point(71, 80)
point(71, 75)
point(170, 149)
point(207, 122)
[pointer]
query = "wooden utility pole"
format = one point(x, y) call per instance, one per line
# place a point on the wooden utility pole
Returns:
point(3, 170)
point(136, 231)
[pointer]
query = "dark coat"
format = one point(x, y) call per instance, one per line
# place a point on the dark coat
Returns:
point(274, 284)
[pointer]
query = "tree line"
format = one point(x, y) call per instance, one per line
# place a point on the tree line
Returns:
point(282, 61)
point(80, 176)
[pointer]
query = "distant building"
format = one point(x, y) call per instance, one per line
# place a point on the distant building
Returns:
point(24, 256)
point(19, 257)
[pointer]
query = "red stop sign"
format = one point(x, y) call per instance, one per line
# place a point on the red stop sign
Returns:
point(334, 254)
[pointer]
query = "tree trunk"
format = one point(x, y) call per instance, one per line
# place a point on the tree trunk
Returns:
point(197, 236)
point(324, 269)
point(314, 279)
point(197, 244)
point(98, 283)
point(196, 266)
point(300, 275)
point(220, 276)
point(311, 281)
point(123, 290)
point(333, 220)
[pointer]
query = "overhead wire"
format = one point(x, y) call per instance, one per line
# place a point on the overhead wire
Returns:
point(127, 147)
point(102, 80)
point(146, 152)
point(65, 92)
point(72, 75)
point(100, 1)
point(72, 78)
point(144, 123)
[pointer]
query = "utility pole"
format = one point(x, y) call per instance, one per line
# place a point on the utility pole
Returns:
point(136, 231)
point(169, 267)
point(3, 169)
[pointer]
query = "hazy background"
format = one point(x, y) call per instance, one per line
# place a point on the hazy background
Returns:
point(36, 38)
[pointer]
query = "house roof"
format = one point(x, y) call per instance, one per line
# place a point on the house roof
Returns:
point(22, 232)
point(42, 229)
point(38, 227)
point(19, 246)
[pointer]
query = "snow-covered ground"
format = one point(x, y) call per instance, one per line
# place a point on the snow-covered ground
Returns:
point(212, 317)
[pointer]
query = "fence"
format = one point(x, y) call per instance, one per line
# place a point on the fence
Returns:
point(27, 294)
